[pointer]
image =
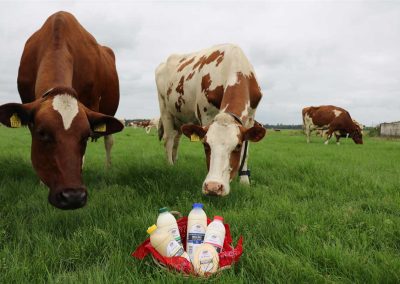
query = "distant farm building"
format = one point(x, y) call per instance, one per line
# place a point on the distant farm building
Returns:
point(391, 129)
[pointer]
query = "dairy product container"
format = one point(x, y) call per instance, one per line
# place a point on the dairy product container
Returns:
point(166, 221)
point(215, 233)
point(165, 243)
point(196, 228)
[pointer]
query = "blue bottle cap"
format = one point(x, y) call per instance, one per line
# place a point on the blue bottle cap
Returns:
point(197, 205)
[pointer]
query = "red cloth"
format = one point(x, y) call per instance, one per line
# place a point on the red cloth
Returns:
point(227, 257)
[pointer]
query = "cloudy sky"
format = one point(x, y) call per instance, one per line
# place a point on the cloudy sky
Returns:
point(345, 53)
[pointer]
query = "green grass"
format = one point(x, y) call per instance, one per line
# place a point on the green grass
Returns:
point(314, 213)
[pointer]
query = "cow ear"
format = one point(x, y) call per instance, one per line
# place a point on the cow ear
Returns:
point(190, 129)
point(14, 115)
point(102, 124)
point(255, 133)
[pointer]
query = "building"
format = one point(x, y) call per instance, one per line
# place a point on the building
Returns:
point(390, 129)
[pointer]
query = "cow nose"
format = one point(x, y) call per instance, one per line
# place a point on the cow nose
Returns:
point(213, 188)
point(72, 198)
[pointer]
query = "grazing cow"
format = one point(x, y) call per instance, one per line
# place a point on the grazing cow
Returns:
point(332, 120)
point(212, 94)
point(338, 135)
point(69, 89)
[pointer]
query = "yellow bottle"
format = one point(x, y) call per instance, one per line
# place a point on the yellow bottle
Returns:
point(165, 243)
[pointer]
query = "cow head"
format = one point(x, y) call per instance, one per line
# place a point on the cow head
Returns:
point(357, 135)
point(223, 145)
point(60, 127)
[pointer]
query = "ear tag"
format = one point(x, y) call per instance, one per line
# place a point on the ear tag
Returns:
point(15, 121)
point(194, 138)
point(100, 128)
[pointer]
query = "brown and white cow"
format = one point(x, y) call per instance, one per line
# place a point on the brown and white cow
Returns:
point(154, 122)
point(69, 89)
point(214, 94)
point(330, 120)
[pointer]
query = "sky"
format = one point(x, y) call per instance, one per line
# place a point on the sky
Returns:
point(344, 53)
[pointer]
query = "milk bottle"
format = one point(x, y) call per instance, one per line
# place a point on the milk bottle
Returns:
point(215, 233)
point(165, 244)
point(196, 229)
point(166, 221)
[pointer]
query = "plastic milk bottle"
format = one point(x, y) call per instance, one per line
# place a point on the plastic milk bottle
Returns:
point(165, 244)
point(166, 221)
point(196, 229)
point(215, 233)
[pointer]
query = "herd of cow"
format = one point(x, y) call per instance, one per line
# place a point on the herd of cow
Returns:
point(69, 89)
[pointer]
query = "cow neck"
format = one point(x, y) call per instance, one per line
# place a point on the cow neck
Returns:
point(236, 117)
point(241, 172)
point(55, 69)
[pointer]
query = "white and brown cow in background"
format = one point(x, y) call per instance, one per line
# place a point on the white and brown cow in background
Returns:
point(213, 94)
point(154, 122)
point(322, 132)
point(330, 120)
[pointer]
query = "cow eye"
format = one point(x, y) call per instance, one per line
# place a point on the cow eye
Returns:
point(44, 136)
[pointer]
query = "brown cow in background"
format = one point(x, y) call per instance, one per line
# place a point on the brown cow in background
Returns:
point(69, 89)
point(334, 120)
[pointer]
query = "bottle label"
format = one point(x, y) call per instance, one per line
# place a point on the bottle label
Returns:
point(175, 234)
point(174, 249)
point(196, 234)
point(206, 261)
point(215, 240)
point(195, 238)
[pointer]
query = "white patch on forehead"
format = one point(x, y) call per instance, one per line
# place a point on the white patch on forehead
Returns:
point(67, 107)
point(337, 112)
point(222, 136)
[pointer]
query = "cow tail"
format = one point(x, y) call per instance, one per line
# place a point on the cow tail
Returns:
point(160, 130)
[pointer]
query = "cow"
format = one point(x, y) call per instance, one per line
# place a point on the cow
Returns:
point(153, 123)
point(333, 120)
point(69, 88)
point(211, 95)
point(338, 135)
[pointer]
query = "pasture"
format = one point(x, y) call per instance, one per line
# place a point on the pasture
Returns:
point(314, 213)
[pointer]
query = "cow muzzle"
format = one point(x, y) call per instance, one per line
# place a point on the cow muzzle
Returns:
point(214, 188)
point(69, 198)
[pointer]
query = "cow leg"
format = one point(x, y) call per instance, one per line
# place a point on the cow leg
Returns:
point(308, 133)
point(169, 137)
point(245, 179)
point(328, 136)
point(169, 145)
point(337, 139)
point(175, 147)
point(108, 143)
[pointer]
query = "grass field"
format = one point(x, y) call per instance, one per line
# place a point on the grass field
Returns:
point(314, 213)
